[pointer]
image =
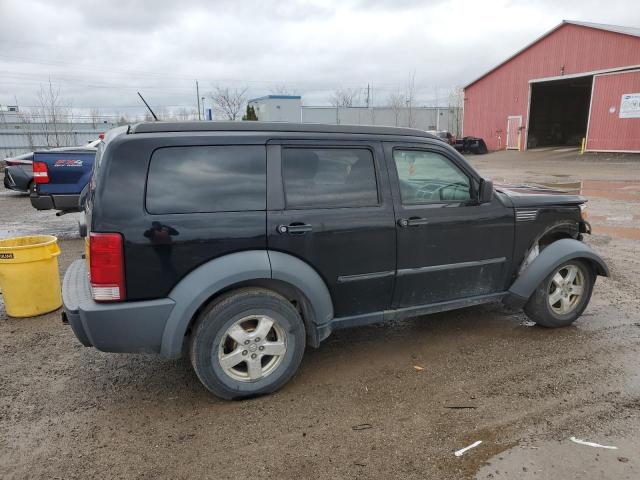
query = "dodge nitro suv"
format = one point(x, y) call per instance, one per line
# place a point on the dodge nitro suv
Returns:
point(239, 244)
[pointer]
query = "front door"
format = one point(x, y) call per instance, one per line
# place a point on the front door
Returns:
point(449, 246)
point(330, 205)
point(513, 132)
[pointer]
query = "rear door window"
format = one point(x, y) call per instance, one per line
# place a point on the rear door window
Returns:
point(329, 177)
point(207, 179)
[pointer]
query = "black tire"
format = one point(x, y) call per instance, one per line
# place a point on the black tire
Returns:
point(538, 307)
point(211, 330)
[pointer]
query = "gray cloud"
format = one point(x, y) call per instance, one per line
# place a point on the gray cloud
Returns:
point(99, 53)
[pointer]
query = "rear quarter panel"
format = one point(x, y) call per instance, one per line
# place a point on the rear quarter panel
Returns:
point(118, 205)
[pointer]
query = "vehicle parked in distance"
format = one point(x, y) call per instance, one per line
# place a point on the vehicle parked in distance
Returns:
point(60, 175)
point(239, 244)
point(473, 145)
point(444, 135)
point(18, 172)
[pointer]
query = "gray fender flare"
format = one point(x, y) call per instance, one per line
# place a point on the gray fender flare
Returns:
point(214, 276)
point(550, 258)
point(294, 271)
point(203, 282)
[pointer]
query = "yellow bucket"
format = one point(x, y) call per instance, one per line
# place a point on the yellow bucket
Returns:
point(29, 276)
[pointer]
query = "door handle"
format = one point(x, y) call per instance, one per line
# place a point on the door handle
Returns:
point(412, 222)
point(295, 228)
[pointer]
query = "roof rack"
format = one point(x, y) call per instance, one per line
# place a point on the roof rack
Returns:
point(208, 126)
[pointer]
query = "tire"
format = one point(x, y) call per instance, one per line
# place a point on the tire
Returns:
point(245, 314)
point(568, 306)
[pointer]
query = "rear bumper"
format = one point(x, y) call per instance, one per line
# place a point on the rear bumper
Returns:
point(112, 327)
point(16, 179)
point(55, 202)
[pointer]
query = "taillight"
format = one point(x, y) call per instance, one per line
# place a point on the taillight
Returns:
point(106, 267)
point(40, 172)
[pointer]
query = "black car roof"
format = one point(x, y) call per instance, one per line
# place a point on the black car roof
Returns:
point(157, 127)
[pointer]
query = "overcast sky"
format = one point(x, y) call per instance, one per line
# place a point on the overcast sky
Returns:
point(99, 53)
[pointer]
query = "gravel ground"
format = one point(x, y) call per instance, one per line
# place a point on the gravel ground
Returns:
point(357, 408)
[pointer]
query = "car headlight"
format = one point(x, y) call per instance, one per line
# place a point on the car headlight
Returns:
point(583, 211)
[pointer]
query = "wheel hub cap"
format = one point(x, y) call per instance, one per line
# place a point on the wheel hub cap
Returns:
point(252, 348)
point(566, 289)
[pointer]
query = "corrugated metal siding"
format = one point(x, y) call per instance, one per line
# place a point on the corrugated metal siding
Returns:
point(504, 92)
point(607, 131)
point(17, 138)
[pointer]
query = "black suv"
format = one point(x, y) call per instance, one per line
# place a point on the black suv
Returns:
point(241, 243)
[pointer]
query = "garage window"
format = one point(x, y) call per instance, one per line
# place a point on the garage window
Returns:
point(207, 179)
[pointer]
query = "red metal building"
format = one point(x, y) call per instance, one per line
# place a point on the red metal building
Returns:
point(578, 81)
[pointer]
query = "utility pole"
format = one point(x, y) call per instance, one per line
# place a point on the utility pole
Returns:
point(204, 117)
point(368, 91)
point(198, 97)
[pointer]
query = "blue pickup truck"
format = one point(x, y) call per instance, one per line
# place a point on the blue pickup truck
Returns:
point(60, 176)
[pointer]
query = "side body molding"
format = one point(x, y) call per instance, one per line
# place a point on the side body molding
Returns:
point(214, 276)
point(550, 258)
point(203, 282)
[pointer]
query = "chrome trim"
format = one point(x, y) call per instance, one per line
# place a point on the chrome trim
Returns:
point(526, 215)
point(450, 266)
point(365, 276)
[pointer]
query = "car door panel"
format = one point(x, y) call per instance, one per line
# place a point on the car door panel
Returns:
point(447, 249)
point(352, 248)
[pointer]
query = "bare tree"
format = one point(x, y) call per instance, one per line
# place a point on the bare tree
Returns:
point(27, 118)
point(283, 90)
point(456, 109)
point(396, 102)
point(123, 119)
point(96, 116)
point(344, 97)
point(184, 114)
point(54, 115)
point(410, 98)
point(229, 103)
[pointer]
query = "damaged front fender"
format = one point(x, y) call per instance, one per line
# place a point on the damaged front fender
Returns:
point(546, 262)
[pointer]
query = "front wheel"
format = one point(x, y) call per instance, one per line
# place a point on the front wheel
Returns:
point(250, 342)
point(562, 297)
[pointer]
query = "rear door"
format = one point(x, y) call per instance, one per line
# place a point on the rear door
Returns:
point(329, 204)
point(449, 246)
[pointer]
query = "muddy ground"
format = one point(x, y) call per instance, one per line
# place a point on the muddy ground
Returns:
point(357, 408)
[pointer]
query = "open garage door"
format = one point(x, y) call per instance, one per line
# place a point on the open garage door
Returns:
point(559, 112)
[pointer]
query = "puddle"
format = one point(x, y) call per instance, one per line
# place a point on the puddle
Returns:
point(565, 459)
point(631, 233)
point(611, 190)
point(628, 191)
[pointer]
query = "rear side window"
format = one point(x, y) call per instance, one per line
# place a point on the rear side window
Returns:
point(207, 179)
point(329, 177)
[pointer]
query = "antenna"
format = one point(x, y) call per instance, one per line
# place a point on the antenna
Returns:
point(147, 105)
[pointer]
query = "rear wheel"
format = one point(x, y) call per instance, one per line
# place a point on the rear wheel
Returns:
point(249, 342)
point(562, 296)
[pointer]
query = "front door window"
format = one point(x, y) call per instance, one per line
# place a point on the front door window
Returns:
point(429, 177)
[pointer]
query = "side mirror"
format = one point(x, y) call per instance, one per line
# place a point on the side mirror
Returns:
point(486, 191)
